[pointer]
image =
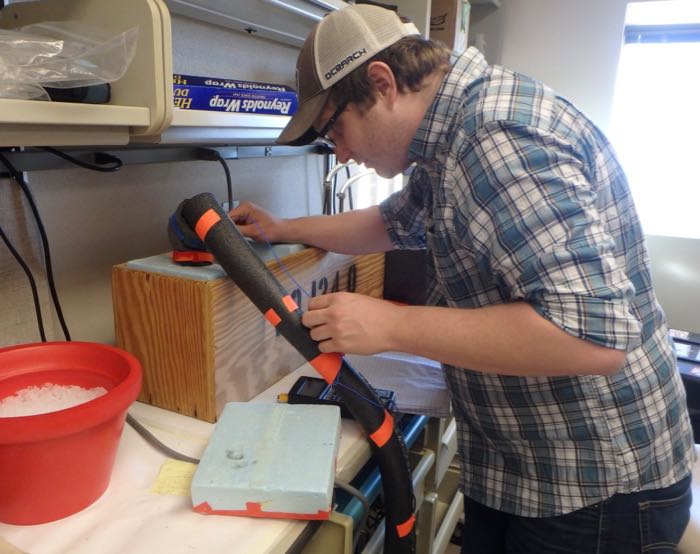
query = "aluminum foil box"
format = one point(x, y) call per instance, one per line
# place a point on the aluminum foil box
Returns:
point(269, 460)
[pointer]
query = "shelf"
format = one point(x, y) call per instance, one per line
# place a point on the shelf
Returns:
point(211, 127)
point(141, 108)
point(141, 101)
point(36, 123)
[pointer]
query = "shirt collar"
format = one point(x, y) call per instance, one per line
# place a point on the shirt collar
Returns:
point(469, 67)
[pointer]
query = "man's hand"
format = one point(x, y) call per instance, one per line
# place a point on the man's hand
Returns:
point(255, 223)
point(351, 323)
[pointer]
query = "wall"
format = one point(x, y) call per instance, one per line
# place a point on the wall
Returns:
point(574, 47)
point(96, 220)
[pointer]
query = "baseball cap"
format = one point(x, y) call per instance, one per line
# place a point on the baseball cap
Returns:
point(341, 42)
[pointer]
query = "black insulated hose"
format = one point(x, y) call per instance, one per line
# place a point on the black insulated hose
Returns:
point(249, 273)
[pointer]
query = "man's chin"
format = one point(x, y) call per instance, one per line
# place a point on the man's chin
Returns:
point(384, 172)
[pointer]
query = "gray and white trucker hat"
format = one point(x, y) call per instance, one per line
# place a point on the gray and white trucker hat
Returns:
point(341, 42)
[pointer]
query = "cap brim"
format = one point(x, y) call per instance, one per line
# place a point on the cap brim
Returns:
point(299, 131)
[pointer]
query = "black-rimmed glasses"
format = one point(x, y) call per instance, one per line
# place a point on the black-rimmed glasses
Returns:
point(328, 127)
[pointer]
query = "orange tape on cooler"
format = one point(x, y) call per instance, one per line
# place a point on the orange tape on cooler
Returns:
point(406, 527)
point(254, 509)
point(383, 434)
point(327, 365)
point(272, 317)
point(206, 222)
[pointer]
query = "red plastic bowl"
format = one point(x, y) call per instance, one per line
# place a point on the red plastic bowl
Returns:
point(55, 464)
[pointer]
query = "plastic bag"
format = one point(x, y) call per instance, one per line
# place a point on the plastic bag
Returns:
point(61, 54)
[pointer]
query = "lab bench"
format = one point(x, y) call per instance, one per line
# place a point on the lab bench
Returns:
point(137, 514)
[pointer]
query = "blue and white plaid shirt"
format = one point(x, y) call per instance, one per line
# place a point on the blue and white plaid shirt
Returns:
point(518, 196)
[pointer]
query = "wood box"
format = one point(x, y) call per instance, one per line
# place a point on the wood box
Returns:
point(202, 343)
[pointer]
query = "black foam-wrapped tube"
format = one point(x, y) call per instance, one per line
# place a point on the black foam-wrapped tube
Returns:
point(237, 258)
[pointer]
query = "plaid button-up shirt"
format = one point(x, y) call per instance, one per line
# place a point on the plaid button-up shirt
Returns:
point(518, 196)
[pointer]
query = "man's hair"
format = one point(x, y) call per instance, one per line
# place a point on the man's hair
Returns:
point(411, 59)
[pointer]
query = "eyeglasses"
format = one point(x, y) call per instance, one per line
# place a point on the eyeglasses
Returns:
point(328, 127)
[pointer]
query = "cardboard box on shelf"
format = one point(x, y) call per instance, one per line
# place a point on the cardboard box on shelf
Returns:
point(449, 23)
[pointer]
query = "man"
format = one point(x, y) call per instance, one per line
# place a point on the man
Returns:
point(573, 429)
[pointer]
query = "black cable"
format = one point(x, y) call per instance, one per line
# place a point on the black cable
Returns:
point(44, 242)
point(349, 191)
point(347, 487)
point(229, 185)
point(32, 283)
point(211, 154)
point(335, 182)
point(153, 441)
point(104, 162)
point(304, 537)
point(326, 198)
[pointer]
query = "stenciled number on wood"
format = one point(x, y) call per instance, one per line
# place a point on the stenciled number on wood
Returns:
point(325, 285)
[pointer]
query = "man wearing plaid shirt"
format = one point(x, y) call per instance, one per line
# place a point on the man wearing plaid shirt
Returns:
point(572, 424)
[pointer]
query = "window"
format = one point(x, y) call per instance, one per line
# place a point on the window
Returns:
point(373, 188)
point(655, 123)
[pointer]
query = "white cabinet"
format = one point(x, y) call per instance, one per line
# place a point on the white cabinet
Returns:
point(141, 108)
point(141, 103)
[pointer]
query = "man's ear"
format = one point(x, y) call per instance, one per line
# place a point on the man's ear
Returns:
point(382, 78)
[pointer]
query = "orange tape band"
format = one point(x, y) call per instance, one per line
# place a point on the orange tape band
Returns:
point(327, 365)
point(406, 527)
point(254, 509)
point(272, 317)
point(383, 434)
point(290, 304)
point(206, 222)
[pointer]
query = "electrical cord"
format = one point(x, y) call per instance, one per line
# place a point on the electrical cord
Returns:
point(347, 176)
point(229, 185)
point(104, 162)
point(312, 526)
point(32, 283)
point(212, 154)
point(44, 242)
point(335, 182)
point(347, 487)
point(157, 444)
point(304, 537)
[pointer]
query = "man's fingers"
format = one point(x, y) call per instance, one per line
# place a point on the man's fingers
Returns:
point(320, 333)
point(319, 302)
point(312, 318)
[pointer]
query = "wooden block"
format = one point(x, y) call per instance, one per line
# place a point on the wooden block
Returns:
point(202, 343)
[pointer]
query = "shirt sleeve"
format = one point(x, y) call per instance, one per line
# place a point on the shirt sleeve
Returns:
point(546, 232)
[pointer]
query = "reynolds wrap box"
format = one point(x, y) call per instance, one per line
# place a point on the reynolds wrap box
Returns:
point(228, 95)
point(220, 82)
